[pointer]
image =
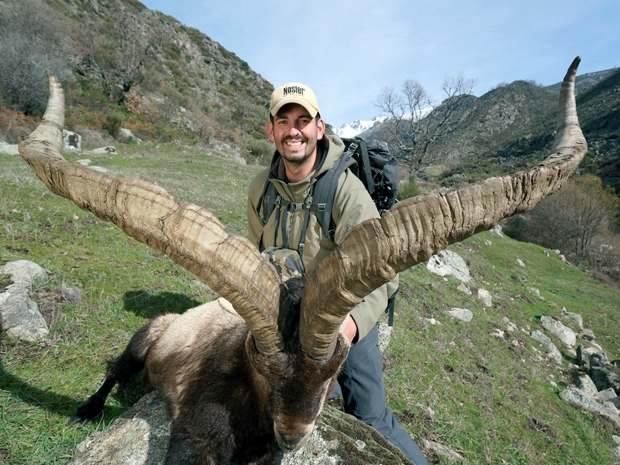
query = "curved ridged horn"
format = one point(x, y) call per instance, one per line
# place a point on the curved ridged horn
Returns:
point(417, 228)
point(191, 236)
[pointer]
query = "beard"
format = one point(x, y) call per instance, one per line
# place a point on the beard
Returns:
point(297, 155)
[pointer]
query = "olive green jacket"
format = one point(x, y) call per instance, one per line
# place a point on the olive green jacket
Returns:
point(352, 205)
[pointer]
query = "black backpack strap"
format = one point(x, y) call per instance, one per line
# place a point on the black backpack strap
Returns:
point(325, 191)
point(390, 308)
point(365, 173)
point(268, 199)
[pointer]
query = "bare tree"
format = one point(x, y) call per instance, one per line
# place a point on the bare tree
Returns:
point(571, 220)
point(412, 129)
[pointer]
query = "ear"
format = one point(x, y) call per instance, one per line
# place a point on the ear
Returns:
point(320, 124)
point(269, 128)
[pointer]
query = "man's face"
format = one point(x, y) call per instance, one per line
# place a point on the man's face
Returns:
point(295, 133)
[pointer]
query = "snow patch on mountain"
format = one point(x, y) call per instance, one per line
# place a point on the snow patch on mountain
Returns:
point(357, 127)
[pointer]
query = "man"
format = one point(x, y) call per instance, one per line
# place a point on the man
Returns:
point(303, 153)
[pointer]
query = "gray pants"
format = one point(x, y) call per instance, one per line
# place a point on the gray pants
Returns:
point(361, 385)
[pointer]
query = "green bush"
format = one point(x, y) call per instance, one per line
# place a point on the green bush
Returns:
point(260, 149)
point(113, 123)
point(409, 188)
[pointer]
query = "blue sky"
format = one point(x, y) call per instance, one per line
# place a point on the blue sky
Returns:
point(348, 50)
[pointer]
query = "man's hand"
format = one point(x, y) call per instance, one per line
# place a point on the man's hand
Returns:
point(349, 328)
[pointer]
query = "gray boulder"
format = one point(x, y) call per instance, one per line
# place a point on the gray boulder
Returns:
point(462, 314)
point(19, 314)
point(552, 351)
point(24, 272)
point(565, 334)
point(604, 375)
point(448, 263)
point(140, 437)
point(485, 297)
point(580, 399)
point(71, 141)
point(8, 149)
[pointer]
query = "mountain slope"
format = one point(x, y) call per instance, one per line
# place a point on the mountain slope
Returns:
point(512, 126)
point(124, 64)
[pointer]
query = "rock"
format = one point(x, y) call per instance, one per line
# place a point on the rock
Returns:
point(485, 297)
point(552, 350)
point(140, 437)
point(510, 326)
point(70, 294)
point(546, 253)
point(582, 359)
point(125, 135)
point(520, 262)
point(385, 334)
point(461, 314)
point(580, 399)
point(71, 141)
point(8, 149)
point(498, 333)
point(592, 348)
point(464, 289)
point(588, 334)
point(102, 150)
point(20, 318)
point(535, 291)
point(445, 451)
point(519, 278)
point(565, 334)
point(24, 272)
point(230, 151)
point(585, 383)
point(497, 229)
point(448, 263)
point(574, 317)
point(85, 162)
point(609, 395)
point(19, 315)
point(604, 376)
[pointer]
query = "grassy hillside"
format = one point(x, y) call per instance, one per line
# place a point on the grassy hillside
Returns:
point(123, 65)
point(492, 400)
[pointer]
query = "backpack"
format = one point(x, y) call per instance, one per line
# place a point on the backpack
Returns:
point(371, 162)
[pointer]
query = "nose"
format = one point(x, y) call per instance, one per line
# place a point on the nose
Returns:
point(294, 130)
point(290, 442)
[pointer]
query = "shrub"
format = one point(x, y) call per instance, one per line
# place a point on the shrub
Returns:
point(260, 149)
point(113, 123)
point(574, 220)
point(23, 82)
point(409, 188)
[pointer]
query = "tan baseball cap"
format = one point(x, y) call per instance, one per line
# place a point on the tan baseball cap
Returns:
point(294, 92)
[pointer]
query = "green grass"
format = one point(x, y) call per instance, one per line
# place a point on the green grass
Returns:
point(492, 399)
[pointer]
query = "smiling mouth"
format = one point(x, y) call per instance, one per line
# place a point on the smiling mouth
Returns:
point(294, 142)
